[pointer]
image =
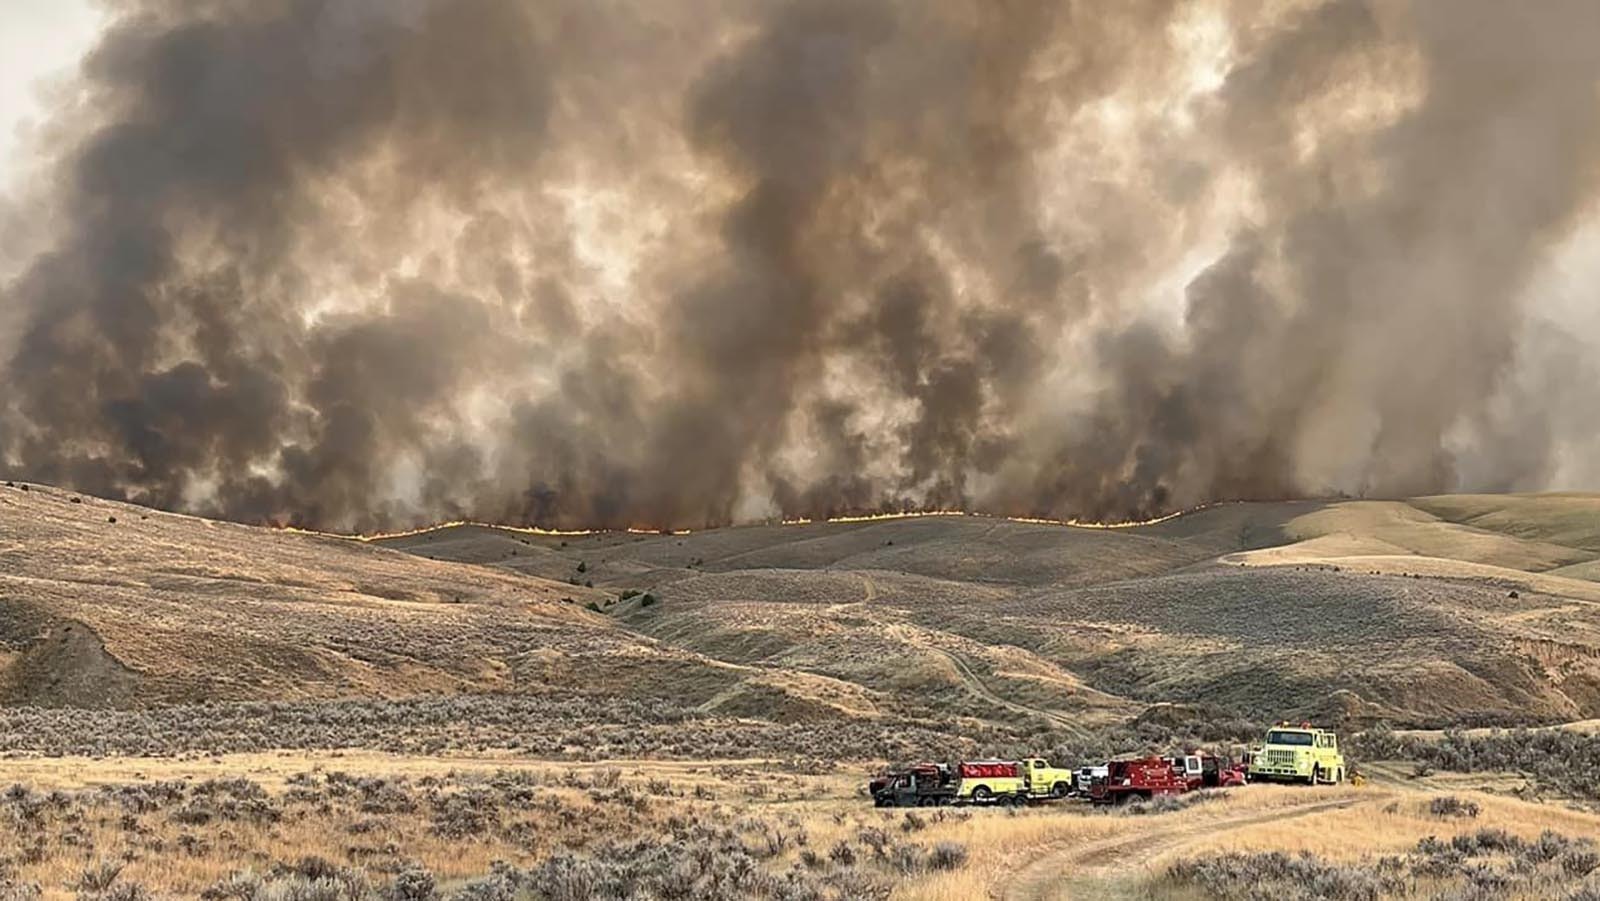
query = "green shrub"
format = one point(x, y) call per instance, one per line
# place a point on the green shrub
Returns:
point(1554, 759)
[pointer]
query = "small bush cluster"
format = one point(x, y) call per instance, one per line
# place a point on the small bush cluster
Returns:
point(1555, 760)
point(306, 879)
point(714, 869)
point(1284, 877)
point(590, 832)
point(1453, 807)
point(552, 727)
point(1489, 863)
point(1161, 804)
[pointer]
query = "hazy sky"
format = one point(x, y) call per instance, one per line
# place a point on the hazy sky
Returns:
point(38, 39)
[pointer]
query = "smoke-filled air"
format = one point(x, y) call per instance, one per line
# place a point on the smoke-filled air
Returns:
point(366, 264)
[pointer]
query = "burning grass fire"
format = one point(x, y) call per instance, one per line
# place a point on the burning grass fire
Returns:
point(862, 518)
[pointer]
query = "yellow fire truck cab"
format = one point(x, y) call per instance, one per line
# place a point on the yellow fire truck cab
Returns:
point(1297, 753)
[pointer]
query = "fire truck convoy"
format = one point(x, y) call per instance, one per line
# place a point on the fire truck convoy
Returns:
point(1289, 752)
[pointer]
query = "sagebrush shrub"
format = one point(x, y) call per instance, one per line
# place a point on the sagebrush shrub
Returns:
point(947, 856)
point(1580, 863)
point(122, 891)
point(244, 885)
point(99, 876)
point(1553, 759)
point(1451, 806)
point(414, 883)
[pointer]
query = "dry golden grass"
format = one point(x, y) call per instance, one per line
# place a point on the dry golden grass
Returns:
point(1004, 846)
point(1431, 852)
point(1045, 853)
point(317, 815)
point(1391, 820)
point(1011, 854)
point(1358, 555)
point(114, 605)
point(272, 769)
point(1408, 526)
point(1562, 518)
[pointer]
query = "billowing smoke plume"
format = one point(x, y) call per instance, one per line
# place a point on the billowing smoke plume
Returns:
point(365, 263)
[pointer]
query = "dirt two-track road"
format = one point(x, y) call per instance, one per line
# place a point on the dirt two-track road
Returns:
point(1117, 867)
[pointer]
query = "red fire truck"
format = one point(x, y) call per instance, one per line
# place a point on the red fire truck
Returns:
point(1147, 777)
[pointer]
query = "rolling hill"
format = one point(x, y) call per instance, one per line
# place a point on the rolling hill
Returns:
point(1428, 613)
point(1439, 611)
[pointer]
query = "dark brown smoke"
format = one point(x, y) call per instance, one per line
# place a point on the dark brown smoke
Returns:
point(356, 264)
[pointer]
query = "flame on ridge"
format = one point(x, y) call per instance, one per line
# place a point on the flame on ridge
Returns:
point(801, 521)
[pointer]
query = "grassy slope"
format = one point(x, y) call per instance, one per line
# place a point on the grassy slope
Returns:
point(1418, 528)
point(1346, 609)
point(1360, 608)
point(157, 608)
point(1572, 520)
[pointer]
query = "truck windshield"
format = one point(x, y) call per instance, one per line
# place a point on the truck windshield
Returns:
point(1302, 739)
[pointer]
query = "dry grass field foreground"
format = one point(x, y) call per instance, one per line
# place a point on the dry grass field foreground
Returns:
point(343, 827)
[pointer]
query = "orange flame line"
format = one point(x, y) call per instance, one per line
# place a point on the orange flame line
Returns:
point(802, 521)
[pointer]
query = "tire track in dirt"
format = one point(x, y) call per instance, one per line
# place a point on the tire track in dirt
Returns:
point(1400, 774)
point(975, 685)
point(1053, 877)
point(1388, 772)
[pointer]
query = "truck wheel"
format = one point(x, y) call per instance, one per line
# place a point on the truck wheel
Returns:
point(1316, 774)
point(982, 793)
point(1060, 790)
point(1338, 776)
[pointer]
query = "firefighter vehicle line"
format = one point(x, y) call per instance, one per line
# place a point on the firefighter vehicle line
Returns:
point(1289, 752)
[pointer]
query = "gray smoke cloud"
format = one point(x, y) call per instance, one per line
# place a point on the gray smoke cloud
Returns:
point(674, 263)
